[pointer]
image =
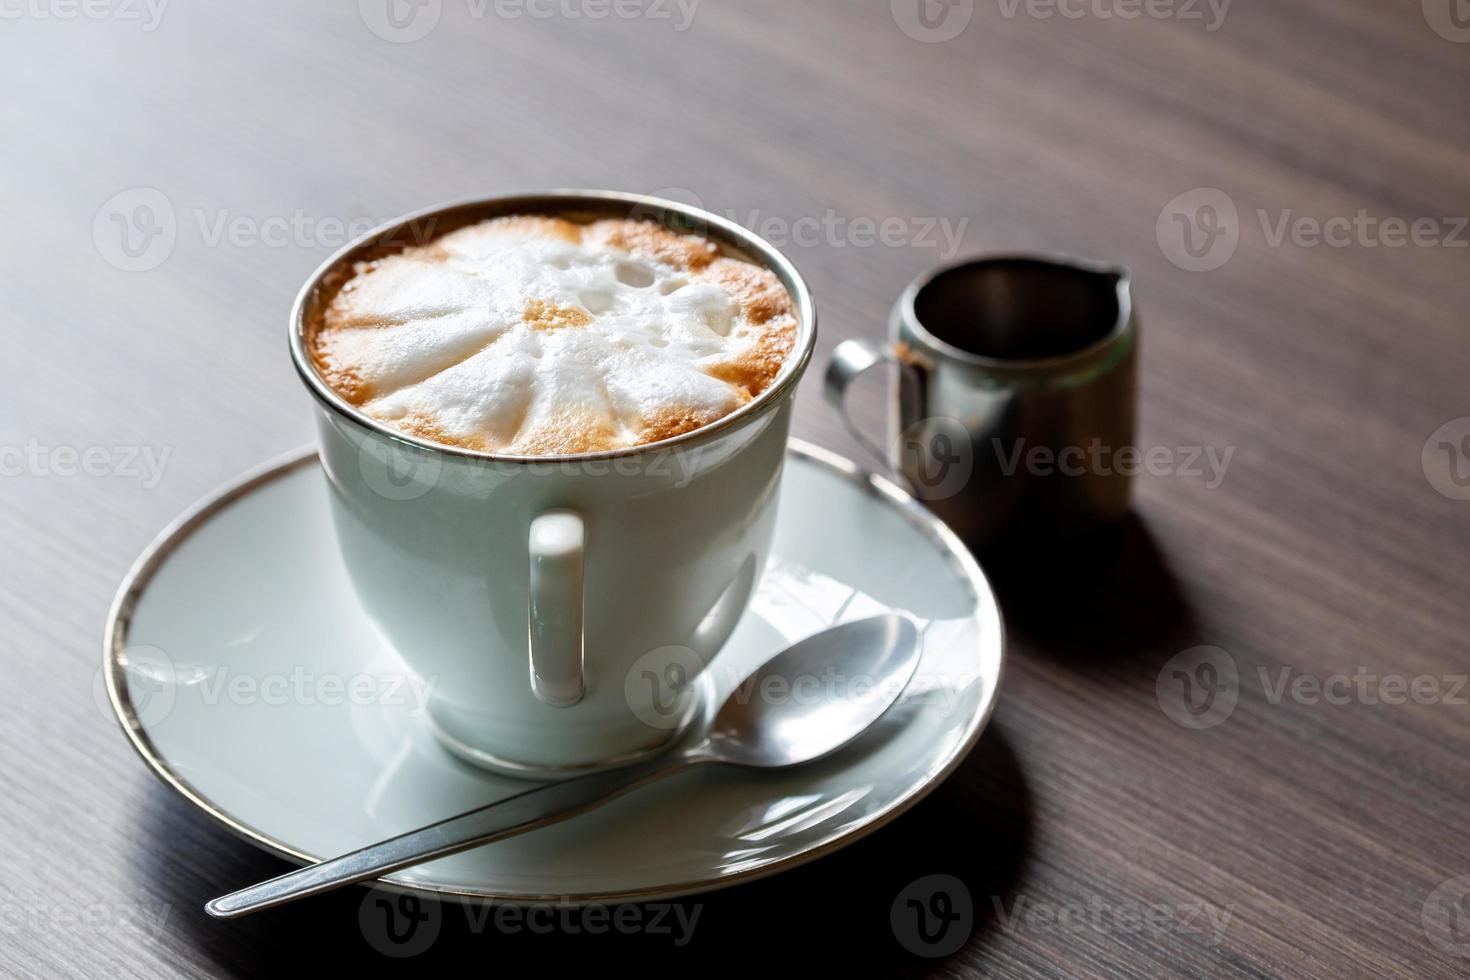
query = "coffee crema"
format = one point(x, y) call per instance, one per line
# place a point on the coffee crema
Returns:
point(536, 335)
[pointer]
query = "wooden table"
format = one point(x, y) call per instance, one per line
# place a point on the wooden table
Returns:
point(1303, 835)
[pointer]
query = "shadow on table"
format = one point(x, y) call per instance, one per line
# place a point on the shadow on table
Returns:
point(836, 914)
point(1095, 602)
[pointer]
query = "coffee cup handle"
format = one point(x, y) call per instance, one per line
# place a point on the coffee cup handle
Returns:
point(851, 360)
point(557, 544)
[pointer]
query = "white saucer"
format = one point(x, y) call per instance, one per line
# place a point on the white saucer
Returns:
point(250, 585)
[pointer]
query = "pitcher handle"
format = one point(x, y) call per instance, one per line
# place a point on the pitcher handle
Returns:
point(850, 361)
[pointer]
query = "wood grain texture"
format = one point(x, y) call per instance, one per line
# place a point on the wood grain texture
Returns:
point(1321, 829)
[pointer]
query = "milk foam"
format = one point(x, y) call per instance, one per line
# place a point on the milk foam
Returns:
point(534, 335)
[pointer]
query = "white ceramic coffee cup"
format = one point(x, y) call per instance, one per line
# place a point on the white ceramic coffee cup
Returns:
point(559, 607)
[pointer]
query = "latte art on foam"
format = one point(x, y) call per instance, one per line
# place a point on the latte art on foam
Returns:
point(533, 335)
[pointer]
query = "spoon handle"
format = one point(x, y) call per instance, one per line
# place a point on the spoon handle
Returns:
point(514, 815)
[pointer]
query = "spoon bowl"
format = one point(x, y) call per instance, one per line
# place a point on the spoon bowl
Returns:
point(817, 696)
point(803, 704)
